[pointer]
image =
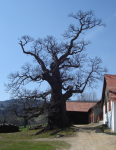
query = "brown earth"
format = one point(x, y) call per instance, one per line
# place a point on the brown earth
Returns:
point(87, 138)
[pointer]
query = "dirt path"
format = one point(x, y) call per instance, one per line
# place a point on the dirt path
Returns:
point(88, 138)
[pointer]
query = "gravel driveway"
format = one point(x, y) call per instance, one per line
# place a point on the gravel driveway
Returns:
point(88, 138)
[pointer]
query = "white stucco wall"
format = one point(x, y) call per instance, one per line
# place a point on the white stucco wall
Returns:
point(114, 117)
point(104, 117)
point(112, 108)
point(109, 116)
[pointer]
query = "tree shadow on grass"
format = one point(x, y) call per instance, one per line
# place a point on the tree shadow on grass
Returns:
point(60, 131)
point(56, 132)
point(66, 131)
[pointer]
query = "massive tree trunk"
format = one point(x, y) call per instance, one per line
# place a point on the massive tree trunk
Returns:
point(57, 111)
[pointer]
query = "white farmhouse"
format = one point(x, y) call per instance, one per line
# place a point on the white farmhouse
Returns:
point(109, 101)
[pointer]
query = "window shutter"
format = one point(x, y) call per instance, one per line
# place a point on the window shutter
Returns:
point(106, 108)
point(110, 105)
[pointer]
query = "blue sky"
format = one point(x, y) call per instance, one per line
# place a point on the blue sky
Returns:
point(39, 18)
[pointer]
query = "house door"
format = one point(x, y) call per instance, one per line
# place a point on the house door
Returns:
point(91, 118)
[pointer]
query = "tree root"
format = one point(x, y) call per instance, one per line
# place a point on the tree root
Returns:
point(45, 129)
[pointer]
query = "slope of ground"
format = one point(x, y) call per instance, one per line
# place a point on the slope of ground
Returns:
point(88, 138)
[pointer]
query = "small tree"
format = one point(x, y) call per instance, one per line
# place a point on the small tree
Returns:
point(63, 65)
point(28, 108)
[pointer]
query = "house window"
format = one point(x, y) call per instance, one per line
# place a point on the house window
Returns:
point(106, 108)
point(110, 105)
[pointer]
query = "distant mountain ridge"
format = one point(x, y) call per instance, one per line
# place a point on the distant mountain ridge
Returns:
point(2, 106)
point(5, 103)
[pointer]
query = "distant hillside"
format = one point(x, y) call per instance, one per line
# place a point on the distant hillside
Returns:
point(4, 104)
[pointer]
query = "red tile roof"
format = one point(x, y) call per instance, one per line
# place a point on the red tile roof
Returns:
point(111, 84)
point(79, 106)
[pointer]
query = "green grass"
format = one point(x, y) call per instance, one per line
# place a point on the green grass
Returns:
point(49, 134)
point(26, 145)
point(21, 128)
point(101, 128)
point(104, 129)
point(24, 140)
point(68, 131)
point(64, 132)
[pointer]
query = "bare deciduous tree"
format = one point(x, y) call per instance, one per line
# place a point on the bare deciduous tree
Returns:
point(63, 65)
point(32, 106)
point(90, 96)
